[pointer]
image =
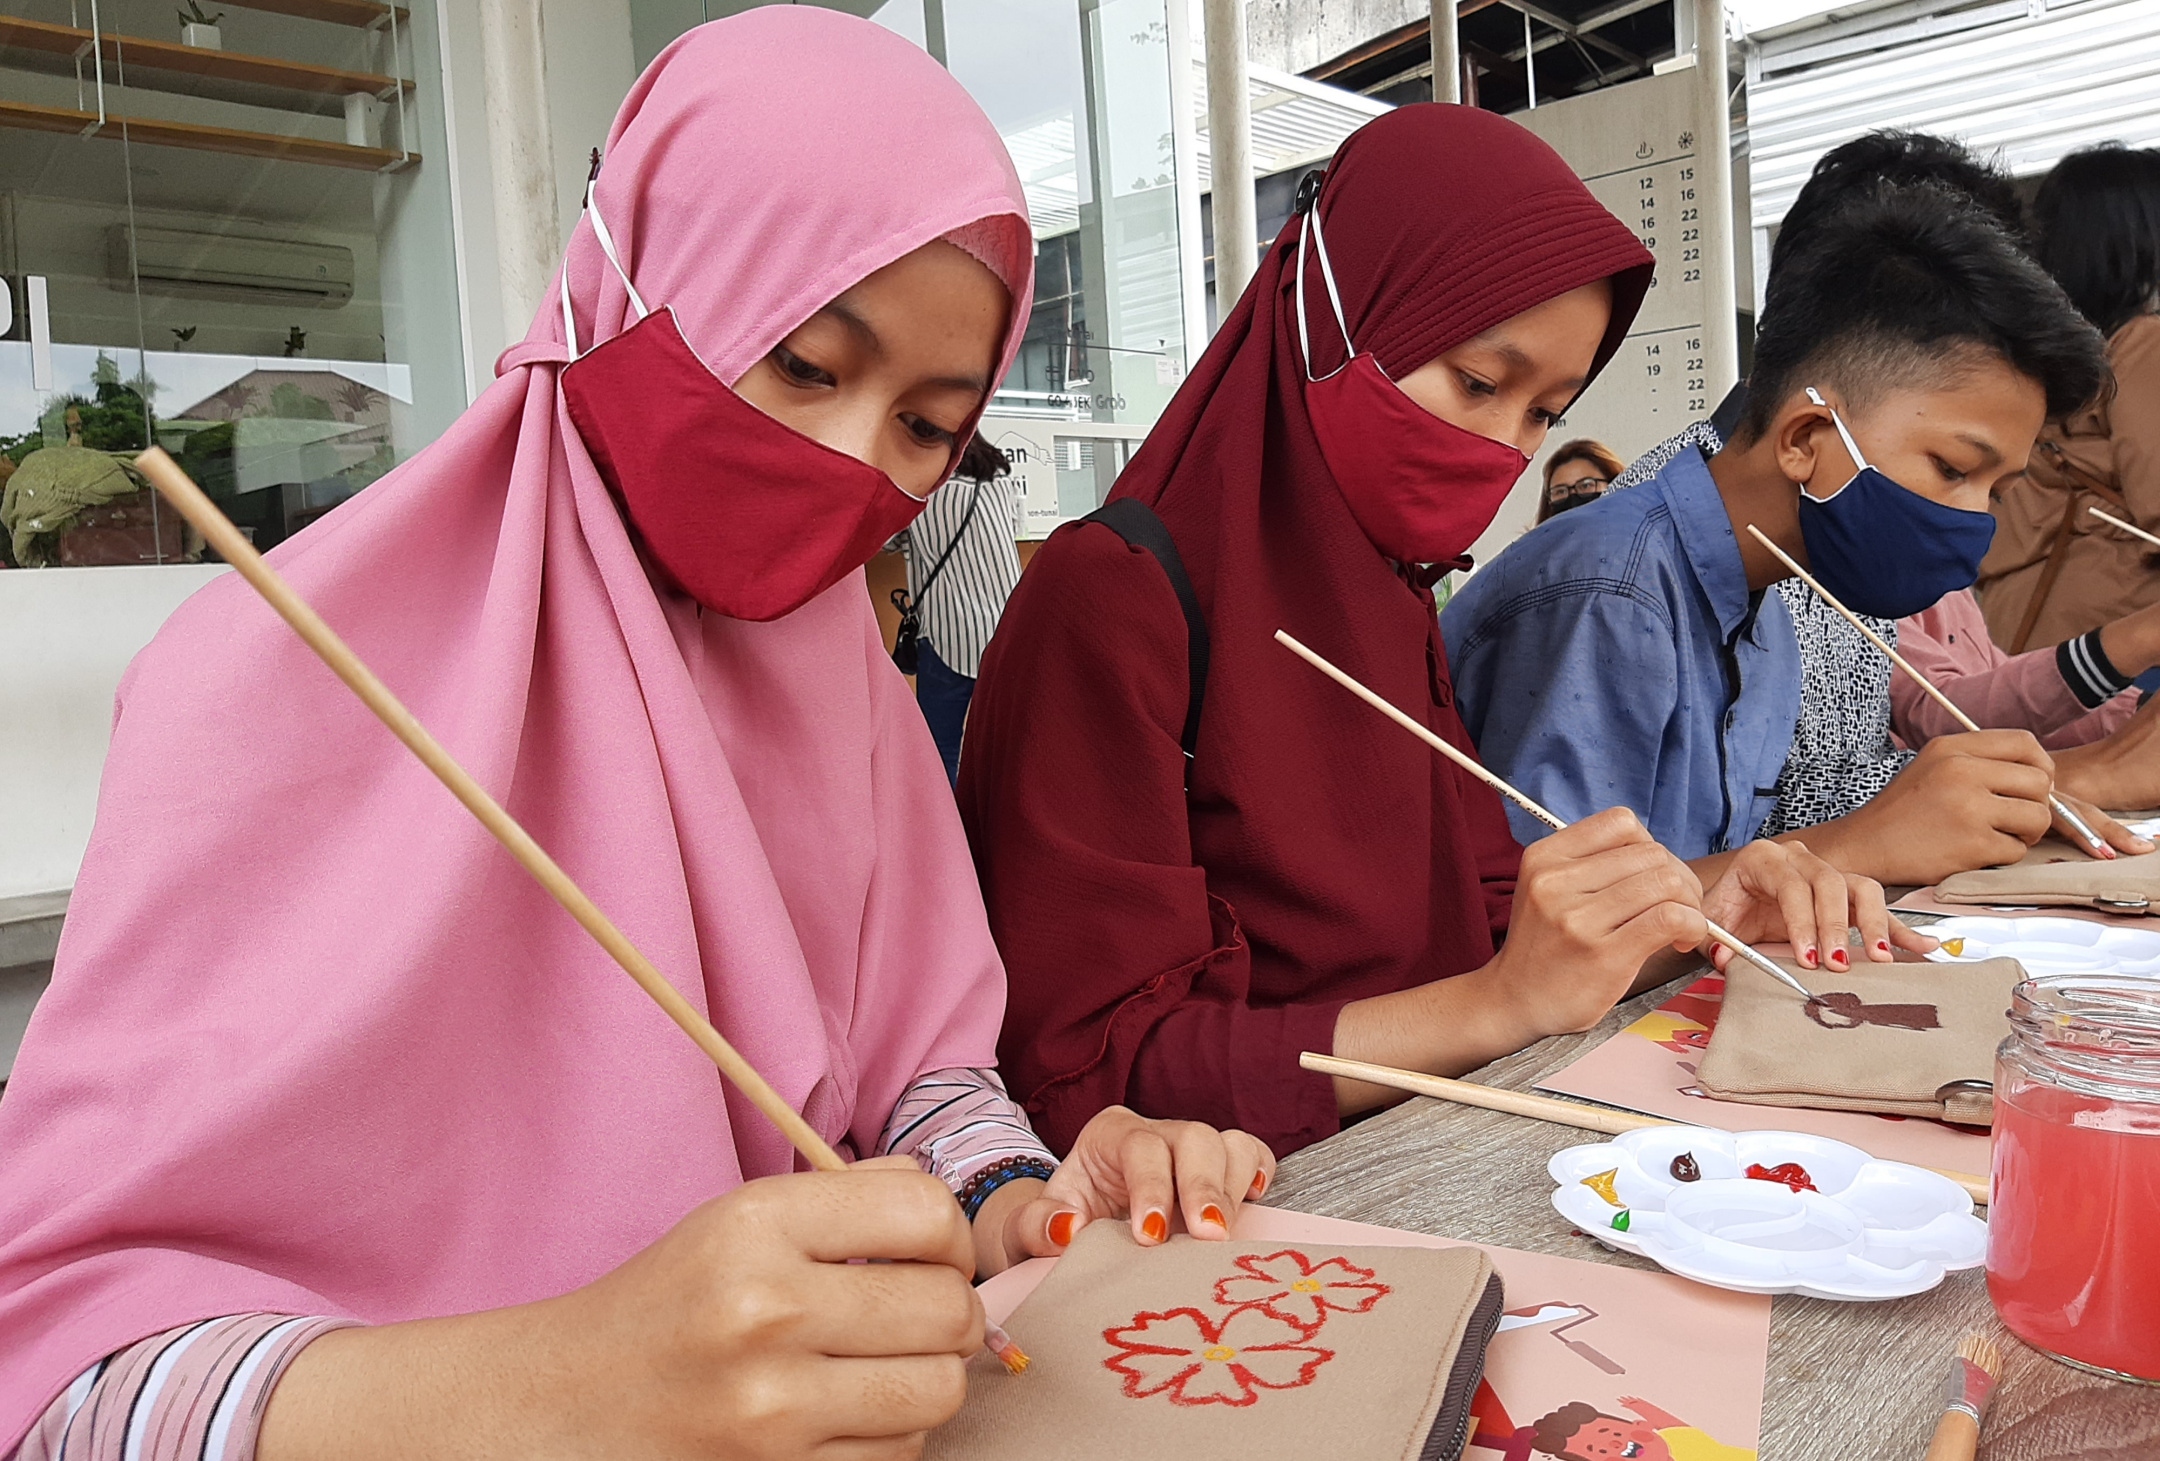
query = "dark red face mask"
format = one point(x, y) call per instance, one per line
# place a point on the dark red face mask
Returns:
point(1421, 488)
point(750, 517)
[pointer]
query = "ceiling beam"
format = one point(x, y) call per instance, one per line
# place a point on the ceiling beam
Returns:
point(1573, 31)
point(1415, 31)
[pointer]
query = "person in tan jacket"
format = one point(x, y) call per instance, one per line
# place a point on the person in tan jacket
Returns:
point(2055, 570)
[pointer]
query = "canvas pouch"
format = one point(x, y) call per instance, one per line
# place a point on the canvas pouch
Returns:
point(1254, 1351)
point(1905, 1039)
point(2055, 875)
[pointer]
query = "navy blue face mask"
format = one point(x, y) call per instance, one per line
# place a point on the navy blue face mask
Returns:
point(1883, 550)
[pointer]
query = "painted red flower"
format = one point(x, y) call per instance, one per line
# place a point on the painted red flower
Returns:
point(1190, 1359)
point(1291, 1286)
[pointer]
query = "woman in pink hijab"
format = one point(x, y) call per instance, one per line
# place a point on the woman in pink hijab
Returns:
point(334, 1136)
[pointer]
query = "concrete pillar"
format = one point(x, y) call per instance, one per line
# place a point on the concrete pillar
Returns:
point(1721, 330)
point(1446, 53)
point(1237, 224)
point(520, 155)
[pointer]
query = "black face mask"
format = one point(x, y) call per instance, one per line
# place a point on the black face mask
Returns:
point(1576, 498)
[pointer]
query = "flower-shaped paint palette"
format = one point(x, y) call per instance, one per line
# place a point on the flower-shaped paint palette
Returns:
point(2048, 945)
point(1770, 1212)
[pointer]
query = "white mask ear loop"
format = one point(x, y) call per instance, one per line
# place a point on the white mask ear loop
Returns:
point(1839, 422)
point(569, 320)
point(607, 247)
point(1311, 225)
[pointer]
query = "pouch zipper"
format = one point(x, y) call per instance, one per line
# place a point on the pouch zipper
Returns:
point(1451, 1427)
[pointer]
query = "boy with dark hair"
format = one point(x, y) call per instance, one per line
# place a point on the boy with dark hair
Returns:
point(1908, 355)
point(1842, 756)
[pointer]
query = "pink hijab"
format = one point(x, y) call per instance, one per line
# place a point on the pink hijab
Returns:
point(314, 1044)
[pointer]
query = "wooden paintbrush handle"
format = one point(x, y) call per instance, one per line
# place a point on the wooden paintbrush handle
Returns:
point(1538, 1108)
point(1956, 1438)
point(231, 545)
point(1487, 1098)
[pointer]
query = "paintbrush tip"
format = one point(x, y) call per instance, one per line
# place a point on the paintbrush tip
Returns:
point(1984, 1352)
point(1009, 1354)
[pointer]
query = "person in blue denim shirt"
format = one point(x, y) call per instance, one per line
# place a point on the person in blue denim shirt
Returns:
point(1594, 667)
point(1907, 357)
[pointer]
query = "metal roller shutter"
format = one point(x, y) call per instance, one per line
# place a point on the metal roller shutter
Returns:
point(2027, 79)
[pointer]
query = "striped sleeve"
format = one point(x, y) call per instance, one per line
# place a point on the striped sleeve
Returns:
point(2087, 670)
point(961, 610)
point(957, 1122)
point(195, 1393)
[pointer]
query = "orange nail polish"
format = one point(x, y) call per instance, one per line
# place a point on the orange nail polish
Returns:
point(1213, 1214)
point(1061, 1228)
point(1259, 1183)
point(1155, 1227)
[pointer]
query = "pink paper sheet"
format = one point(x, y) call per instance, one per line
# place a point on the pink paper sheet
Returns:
point(1575, 1332)
point(1650, 1067)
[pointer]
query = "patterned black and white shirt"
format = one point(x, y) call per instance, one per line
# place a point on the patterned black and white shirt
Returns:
point(1842, 754)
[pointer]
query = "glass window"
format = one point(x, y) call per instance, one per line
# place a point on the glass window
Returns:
point(227, 232)
point(1081, 92)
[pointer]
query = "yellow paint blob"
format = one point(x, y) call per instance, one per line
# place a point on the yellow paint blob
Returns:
point(1307, 1286)
point(1954, 947)
point(1602, 1185)
point(1221, 1354)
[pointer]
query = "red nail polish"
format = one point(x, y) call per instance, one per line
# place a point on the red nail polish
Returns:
point(1061, 1228)
point(1259, 1184)
point(1807, 956)
point(1840, 958)
point(1155, 1227)
point(1883, 945)
point(1213, 1214)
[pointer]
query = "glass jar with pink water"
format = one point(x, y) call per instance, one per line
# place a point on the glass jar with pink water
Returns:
point(2074, 1225)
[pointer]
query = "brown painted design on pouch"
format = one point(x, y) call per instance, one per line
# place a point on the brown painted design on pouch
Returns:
point(1841, 1011)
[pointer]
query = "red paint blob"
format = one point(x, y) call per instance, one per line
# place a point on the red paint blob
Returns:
point(1792, 1174)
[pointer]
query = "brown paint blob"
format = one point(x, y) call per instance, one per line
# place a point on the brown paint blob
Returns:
point(1841, 1011)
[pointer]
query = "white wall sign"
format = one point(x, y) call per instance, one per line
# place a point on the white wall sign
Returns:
point(1030, 445)
point(1638, 148)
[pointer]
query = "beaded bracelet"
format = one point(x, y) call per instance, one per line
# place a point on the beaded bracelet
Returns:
point(976, 1191)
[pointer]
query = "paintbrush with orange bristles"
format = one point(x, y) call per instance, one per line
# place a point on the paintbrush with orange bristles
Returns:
point(180, 490)
point(1974, 1369)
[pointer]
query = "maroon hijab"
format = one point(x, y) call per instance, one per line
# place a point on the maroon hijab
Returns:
point(1175, 949)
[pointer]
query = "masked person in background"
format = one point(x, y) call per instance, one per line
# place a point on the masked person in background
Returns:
point(1577, 474)
point(963, 560)
point(1179, 927)
point(1907, 357)
point(387, 1158)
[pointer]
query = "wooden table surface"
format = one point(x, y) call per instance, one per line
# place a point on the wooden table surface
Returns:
point(1847, 1382)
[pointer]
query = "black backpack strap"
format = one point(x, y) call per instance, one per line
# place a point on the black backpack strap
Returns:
point(1137, 524)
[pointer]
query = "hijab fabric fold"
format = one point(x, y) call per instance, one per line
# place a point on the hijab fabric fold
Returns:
point(315, 1044)
point(1175, 950)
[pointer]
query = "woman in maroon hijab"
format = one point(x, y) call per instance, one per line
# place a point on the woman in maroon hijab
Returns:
point(1176, 930)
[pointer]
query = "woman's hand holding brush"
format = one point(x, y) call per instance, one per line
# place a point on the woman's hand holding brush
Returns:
point(745, 1331)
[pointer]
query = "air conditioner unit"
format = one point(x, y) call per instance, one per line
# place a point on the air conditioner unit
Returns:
point(222, 266)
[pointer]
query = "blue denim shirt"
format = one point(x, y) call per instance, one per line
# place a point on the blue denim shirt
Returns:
point(1614, 656)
